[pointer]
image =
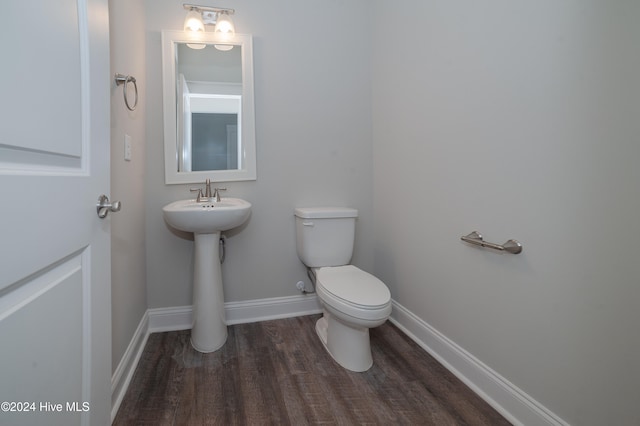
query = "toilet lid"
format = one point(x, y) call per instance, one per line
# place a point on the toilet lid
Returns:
point(354, 286)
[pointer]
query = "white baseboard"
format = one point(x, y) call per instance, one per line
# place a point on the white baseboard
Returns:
point(180, 317)
point(170, 319)
point(127, 365)
point(515, 405)
point(270, 309)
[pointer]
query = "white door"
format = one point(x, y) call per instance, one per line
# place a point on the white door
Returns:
point(55, 341)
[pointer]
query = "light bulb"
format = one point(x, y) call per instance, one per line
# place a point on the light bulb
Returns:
point(194, 25)
point(224, 31)
point(193, 21)
point(224, 25)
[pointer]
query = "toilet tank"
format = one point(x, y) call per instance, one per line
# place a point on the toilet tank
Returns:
point(325, 235)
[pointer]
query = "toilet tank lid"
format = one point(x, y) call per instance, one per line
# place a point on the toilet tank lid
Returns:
point(325, 212)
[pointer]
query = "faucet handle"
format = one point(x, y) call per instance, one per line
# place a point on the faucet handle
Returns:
point(199, 191)
point(216, 193)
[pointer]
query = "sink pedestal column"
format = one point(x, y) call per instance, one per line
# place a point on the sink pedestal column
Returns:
point(209, 332)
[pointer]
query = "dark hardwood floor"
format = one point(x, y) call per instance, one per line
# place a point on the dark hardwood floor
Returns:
point(278, 373)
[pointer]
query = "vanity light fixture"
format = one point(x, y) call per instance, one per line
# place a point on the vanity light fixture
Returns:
point(199, 16)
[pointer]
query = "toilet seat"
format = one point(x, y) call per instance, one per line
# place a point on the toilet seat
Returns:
point(353, 292)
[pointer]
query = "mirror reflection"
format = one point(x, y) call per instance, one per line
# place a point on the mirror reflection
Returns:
point(208, 109)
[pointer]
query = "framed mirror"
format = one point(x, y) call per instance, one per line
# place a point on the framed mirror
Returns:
point(209, 122)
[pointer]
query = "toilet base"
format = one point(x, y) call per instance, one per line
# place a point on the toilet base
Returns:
point(348, 346)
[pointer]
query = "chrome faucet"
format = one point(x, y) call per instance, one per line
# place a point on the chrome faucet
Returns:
point(208, 194)
point(207, 190)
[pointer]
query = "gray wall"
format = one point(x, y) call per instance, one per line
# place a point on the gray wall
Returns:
point(313, 131)
point(128, 269)
point(519, 121)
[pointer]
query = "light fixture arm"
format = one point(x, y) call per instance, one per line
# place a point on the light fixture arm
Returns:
point(201, 9)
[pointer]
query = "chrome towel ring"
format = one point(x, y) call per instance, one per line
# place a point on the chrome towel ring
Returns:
point(124, 79)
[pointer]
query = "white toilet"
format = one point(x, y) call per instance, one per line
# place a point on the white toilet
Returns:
point(353, 301)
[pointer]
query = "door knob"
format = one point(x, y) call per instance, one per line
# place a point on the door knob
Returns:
point(104, 206)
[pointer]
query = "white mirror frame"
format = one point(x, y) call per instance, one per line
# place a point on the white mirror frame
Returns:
point(169, 81)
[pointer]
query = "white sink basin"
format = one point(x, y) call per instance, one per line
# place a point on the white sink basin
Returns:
point(207, 217)
point(206, 220)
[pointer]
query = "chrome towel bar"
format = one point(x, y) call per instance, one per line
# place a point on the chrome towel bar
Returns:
point(511, 246)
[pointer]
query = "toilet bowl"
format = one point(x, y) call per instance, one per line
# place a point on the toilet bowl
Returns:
point(353, 301)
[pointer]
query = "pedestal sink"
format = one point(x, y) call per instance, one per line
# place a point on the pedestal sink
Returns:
point(206, 220)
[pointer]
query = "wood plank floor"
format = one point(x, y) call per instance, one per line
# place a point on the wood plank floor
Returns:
point(278, 373)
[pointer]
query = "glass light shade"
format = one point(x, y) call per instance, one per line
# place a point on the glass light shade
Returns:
point(224, 25)
point(194, 25)
point(193, 21)
point(223, 47)
point(224, 30)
